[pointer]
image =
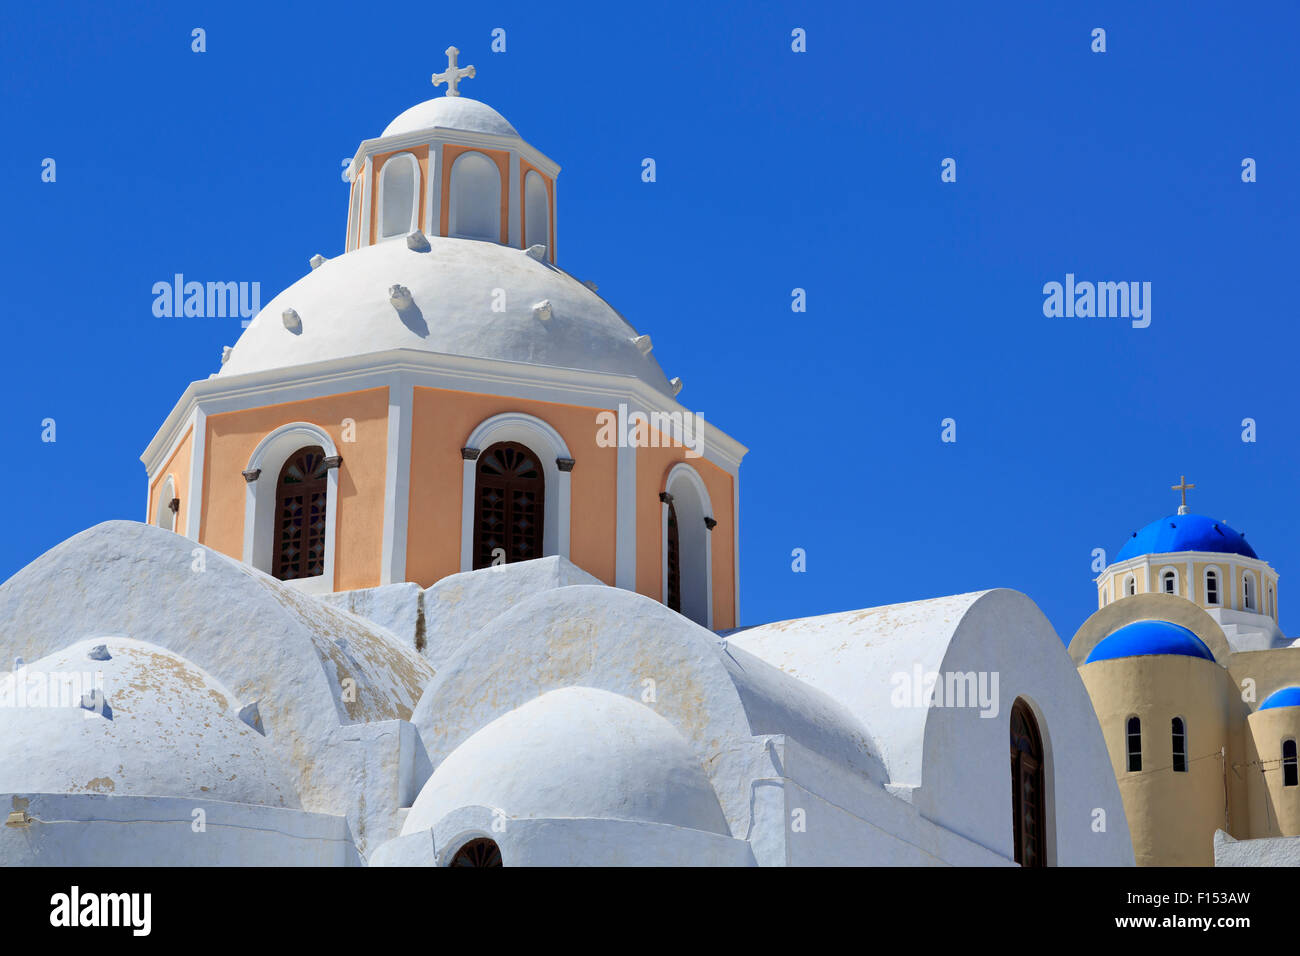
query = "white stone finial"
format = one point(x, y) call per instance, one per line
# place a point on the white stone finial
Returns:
point(453, 74)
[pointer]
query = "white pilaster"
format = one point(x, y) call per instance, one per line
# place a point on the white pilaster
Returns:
point(397, 481)
point(198, 444)
point(468, 478)
point(363, 236)
point(735, 546)
point(625, 546)
point(514, 215)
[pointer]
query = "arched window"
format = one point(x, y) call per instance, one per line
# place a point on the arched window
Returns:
point(687, 506)
point(1211, 586)
point(537, 211)
point(1179, 730)
point(674, 561)
point(300, 500)
point(475, 204)
point(1130, 585)
point(1289, 774)
point(1028, 816)
point(164, 517)
point(1270, 601)
point(1248, 592)
point(1134, 745)
point(1169, 582)
point(480, 852)
point(398, 196)
point(509, 505)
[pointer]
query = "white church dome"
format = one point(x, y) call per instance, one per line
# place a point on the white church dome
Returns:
point(450, 112)
point(575, 752)
point(344, 308)
point(166, 728)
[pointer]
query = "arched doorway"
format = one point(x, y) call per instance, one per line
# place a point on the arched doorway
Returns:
point(509, 505)
point(1028, 816)
point(300, 499)
point(480, 852)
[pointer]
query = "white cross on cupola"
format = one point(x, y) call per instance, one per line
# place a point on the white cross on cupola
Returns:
point(453, 74)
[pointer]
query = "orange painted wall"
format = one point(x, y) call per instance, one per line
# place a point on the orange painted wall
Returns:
point(178, 466)
point(652, 467)
point(231, 439)
point(441, 422)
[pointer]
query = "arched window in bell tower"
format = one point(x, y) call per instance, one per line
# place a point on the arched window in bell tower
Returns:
point(164, 517)
point(1211, 586)
point(688, 525)
point(399, 196)
point(537, 211)
point(509, 505)
point(1133, 744)
point(300, 499)
point(475, 198)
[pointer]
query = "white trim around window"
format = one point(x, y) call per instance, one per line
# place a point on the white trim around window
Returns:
point(1218, 585)
point(268, 458)
point(548, 445)
point(407, 225)
point(1163, 574)
point(695, 541)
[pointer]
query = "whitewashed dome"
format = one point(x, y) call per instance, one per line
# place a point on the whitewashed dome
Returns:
point(169, 729)
point(576, 752)
point(450, 112)
point(344, 309)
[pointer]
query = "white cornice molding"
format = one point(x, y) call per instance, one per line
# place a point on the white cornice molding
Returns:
point(588, 389)
point(1162, 558)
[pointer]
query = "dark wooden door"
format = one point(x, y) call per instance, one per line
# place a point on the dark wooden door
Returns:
point(1028, 818)
point(509, 505)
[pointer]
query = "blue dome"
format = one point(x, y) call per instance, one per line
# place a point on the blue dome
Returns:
point(1185, 533)
point(1286, 697)
point(1144, 638)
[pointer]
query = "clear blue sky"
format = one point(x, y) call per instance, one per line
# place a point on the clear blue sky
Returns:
point(776, 170)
